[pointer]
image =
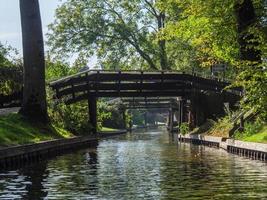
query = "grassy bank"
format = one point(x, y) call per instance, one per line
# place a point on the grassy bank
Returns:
point(260, 136)
point(253, 131)
point(14, 130)
point(106, 129)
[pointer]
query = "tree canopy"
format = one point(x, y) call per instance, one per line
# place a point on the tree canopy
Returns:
point(122, 33)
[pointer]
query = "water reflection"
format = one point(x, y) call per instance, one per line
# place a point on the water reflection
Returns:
point(151, 165)
point(35, 177)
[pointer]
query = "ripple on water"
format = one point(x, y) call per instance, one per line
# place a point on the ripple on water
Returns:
point(140, 166)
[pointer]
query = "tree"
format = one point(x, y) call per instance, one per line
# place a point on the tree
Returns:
point(251, 23)
point(4, 53)
point(10, 71)
point(228, 31)
point(248, 42)
point(208, 26)
point(34, 94)
point(121, 33)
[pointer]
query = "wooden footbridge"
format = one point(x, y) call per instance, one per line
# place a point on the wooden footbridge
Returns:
point(92, 84)
point(97, 83)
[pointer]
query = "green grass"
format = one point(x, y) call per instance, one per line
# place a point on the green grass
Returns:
point(14, 130)
point(261, 136)
point(108, 129)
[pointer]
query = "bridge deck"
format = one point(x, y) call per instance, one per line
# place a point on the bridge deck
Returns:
point(99, 83)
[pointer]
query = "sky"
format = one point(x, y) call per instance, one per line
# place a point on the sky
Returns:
point(10, 26)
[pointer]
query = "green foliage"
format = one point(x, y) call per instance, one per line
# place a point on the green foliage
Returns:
point(73, 118)
point(207, 26)
point(254, 81)
point(104, 114)
point(221, 127)
point(121, 34)
point(184, 128)
point(211, 30)
point(115, 114)
point(10, 71)
point(56, 70)
point(14, 129)
point(138, 117)
point(107, 129)
point(6, 55)
point(260, 136)
point(250, 128)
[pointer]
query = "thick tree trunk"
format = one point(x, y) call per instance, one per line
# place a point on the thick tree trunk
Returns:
point(34, 95)
point(246, 17)
point(162, 44)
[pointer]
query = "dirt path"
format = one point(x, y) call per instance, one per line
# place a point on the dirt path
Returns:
point(6, 111)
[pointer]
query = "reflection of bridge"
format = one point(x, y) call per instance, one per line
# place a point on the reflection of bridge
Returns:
point(90, 85)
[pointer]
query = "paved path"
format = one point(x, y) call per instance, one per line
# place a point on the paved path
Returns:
point(6, 111)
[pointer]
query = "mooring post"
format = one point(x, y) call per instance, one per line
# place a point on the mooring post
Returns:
point(92, 106)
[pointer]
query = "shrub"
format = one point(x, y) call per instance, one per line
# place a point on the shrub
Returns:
point(184, 128)
point(250, 128)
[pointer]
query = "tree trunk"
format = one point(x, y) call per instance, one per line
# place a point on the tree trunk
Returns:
point(162, 44)
point(34, 95)
point(246, 17)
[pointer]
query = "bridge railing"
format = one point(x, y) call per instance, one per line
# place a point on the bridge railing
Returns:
point(108, 83)
point(97, 71)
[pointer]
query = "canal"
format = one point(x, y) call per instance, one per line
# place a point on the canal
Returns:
point(141, 165)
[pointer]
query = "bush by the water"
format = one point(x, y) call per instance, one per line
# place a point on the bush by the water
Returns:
point(250, 128)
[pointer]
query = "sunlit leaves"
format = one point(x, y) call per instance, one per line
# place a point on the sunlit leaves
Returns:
point(118, 32)
point(209, 26)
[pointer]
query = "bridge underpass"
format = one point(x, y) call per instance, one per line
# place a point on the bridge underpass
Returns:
point(143, 105)
point(91, 85)
point(171, 105)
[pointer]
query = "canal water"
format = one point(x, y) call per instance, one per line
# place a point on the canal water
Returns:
point(140, 165)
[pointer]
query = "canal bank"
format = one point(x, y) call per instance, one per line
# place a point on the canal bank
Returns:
point(21, 155)
point(250, 150)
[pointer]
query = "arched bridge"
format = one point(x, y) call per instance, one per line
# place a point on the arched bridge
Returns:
point(97, 83)
point(90, 85)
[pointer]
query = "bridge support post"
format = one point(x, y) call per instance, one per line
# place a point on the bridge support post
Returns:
point(92, 106)
point(131, 120)
point(171, 120)
point(182, 111)
point(145, 117)
point(124, 118)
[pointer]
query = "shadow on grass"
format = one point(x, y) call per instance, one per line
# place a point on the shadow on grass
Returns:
point(15, 129)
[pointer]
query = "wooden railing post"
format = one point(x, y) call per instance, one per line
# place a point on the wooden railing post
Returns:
point(92, 106)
